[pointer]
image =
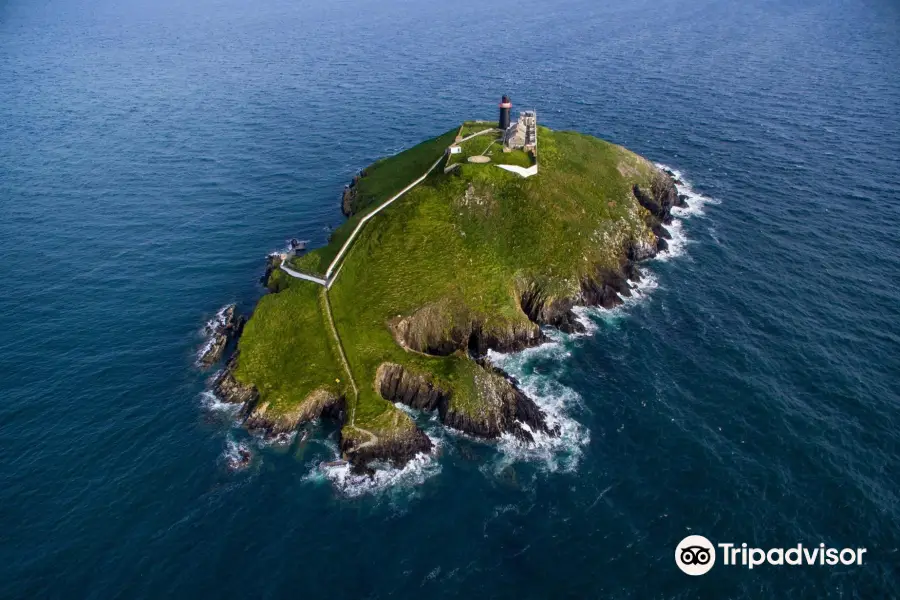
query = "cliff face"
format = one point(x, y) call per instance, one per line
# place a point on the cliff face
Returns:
point(350, 195)
point(398, 445)
point(500, 407)
point(228, 389)
point(319, 404)
point(605, 287)
point(441, 329)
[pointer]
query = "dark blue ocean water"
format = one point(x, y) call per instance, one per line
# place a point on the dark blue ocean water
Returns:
point(152, 152)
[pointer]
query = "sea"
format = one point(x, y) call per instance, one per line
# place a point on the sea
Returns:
point(152, 152)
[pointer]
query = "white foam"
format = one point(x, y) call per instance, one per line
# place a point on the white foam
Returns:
point(209, 329)
point(677, 245)
point(695, 200)
point(416, 472)
point(211, 402)
point(279, 440)
point(412, 412)
point(555, 453)
point(237, 455)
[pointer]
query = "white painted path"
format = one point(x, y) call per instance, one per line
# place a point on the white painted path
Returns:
point(300, 275)
point(329, 279)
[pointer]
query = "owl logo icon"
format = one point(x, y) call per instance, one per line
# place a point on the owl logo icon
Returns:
point(695, 555)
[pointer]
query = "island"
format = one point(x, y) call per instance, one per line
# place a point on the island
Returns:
point(476, 240)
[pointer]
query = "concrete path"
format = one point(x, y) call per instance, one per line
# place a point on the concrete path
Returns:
point(300, 275)
point(329, 278)
point(340, 347)
point(366, 218)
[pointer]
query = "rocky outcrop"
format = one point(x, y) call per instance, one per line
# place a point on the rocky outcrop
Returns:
point(440, 329)
point(319, 404)
point(224, 327)
point(544, 310)
point(273, 261)
point(228, 389)
point(350, 194)
point(398, 445)
point(397, 384)
point(500, 407)
point(659, 201)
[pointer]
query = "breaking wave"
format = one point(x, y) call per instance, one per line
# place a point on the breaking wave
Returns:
point(237, 456)
point(209, 329)
point(560, 403)
point(211, 402)
point(695, 200)
point(555, 453)
point(386, 478)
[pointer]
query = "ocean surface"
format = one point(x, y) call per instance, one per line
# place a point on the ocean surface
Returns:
point(153, 152)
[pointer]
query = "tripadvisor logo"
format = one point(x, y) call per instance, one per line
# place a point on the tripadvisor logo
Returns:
point(696, 555)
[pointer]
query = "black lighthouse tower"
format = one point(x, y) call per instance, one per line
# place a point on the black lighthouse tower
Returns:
point(505, 105)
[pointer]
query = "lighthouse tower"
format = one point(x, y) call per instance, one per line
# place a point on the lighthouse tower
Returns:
point(505, 105)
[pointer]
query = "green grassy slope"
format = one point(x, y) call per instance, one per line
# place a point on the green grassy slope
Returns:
point(286, 349)
point(464, 245)
point(382, 180)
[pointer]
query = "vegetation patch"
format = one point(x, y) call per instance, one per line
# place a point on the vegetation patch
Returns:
point(439, 276)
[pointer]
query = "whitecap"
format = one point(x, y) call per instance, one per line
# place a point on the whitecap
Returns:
point(417, 471)
point(213, 403)
point(554, 453)
point(236, 455)
point(215, 323)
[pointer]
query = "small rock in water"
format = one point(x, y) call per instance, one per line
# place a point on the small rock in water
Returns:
point(238, 456)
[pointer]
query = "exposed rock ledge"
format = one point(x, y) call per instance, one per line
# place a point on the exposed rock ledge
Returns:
point(348, 198)
point(257, 417)
point(226, 326)
point(399, 445)
point(606, 287)
point(501, 406)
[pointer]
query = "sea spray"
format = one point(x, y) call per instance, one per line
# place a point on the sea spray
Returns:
point(695, 200)
point(386, 478)
point(559, 403)
point(209, 330)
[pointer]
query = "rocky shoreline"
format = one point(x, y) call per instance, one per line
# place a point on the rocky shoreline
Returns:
point(504, 407)
point(225, 327)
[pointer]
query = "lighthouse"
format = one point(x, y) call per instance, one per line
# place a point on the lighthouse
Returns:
point(505, 105)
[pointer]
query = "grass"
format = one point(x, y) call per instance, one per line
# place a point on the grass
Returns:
point(287, 350)
point(470, 127)
point(519, 158)
point(383, 179)
point(464, 244)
